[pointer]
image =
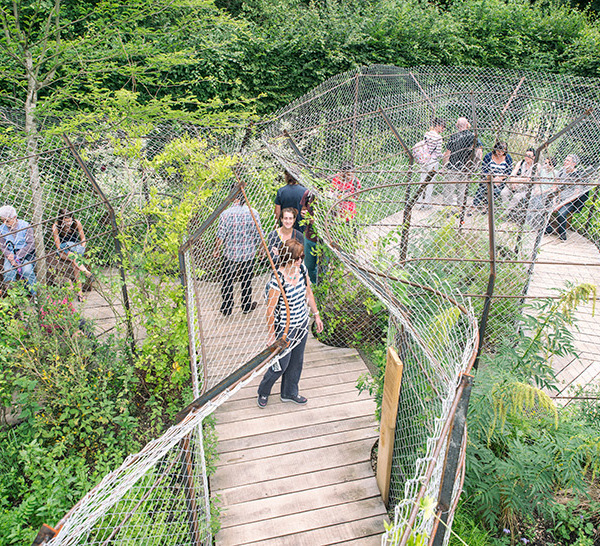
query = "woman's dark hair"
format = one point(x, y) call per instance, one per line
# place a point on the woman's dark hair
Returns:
point(64, 213)
point(438, 122)
point(500, 146)
point(291, 251)
point(289, 179)
point(291, 210)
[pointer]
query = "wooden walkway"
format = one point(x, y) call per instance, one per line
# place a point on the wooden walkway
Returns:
point(302, 475)
point(299, 475)
point(572, 371)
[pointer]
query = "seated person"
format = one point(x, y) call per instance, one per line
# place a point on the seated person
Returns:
point(516, 187)
point(498, 164)
point(18, 248)
point(279, 236)
point(572, 195)
point(69, 239)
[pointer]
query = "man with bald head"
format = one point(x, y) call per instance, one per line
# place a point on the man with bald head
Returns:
point(463, 150)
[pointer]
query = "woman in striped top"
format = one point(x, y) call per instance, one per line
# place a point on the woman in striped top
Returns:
point(293, 277)
point(498, 164)
point(435, 148)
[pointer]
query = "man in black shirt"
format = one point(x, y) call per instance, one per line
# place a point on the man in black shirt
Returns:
point(289, 196)
point(463, 151)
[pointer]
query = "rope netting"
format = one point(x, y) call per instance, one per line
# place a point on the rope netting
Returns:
point(431, 193)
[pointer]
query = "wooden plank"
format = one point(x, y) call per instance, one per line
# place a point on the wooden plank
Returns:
point(389, 413)
point(305, 417)
point(290, 484)
point(294, 524)
point(313, 380)
point(312, 377)
point(368, 529)
point(367, 532)
point(237, 415)
point(286, 467)
point(292, 435)
point(293, 464)
point(303, 444)
point(371, 540)
point(290, 503)
point(316, 387)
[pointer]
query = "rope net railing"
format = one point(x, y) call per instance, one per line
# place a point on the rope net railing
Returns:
point(419, 221)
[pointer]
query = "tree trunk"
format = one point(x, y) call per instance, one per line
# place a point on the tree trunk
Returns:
point(33, 167)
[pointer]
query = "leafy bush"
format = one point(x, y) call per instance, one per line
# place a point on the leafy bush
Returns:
point(73, 395)
point(521, 448)
point(351, 315)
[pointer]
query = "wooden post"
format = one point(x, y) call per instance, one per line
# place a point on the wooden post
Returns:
point(451, 463)
point(387, 428)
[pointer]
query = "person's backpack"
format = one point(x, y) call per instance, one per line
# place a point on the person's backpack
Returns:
point(420, 152)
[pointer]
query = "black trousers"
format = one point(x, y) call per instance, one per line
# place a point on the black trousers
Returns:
point(236, 271)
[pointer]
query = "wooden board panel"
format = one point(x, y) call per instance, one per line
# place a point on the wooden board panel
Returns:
point(363, 532)
point(292, 525)
point(292, 435)
point(301, 416)
point(293, 464)
point(303, 444)
point(275, 405)
point(291, 484)
point(292, 474)
point(316, 387)
point(283, 505)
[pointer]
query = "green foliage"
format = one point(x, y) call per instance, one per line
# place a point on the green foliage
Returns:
point(73, 397)
point(84, 403)
point(352, 317)
point(571, 524)
point(468, 529)
point(157, 295)
point(520, 446)
point(288, 47)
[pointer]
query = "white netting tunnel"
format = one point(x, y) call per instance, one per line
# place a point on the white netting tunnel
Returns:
point(431, 238)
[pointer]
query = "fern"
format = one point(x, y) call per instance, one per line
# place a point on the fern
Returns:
point(521, 446)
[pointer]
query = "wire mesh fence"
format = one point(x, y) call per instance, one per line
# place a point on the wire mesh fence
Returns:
point(432, 197)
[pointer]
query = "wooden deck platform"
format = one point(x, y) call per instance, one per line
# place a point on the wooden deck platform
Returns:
point(572, 371)
point(298, 475)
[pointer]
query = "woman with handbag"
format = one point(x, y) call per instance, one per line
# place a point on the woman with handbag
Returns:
point(293, 277)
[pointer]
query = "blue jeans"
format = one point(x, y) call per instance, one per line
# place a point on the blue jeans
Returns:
point(291, 368)
point(75, 248)
point(310, 259)
point(27, 273)
point(481, 194)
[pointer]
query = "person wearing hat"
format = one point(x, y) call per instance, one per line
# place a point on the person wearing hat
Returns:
point(18, 247)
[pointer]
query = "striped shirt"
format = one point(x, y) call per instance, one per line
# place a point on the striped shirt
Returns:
point(433, 140)
point(296, 296)
point(497, 169)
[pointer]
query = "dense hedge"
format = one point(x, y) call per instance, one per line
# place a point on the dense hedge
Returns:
point(285, 48)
